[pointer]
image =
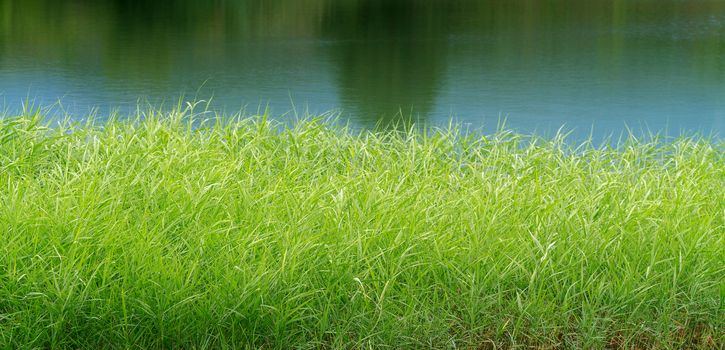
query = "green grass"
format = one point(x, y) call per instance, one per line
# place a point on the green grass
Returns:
point(151, 233)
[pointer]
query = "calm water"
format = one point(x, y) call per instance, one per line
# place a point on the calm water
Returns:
point(657, 64)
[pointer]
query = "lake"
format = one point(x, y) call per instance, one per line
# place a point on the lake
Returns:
point(592, 66)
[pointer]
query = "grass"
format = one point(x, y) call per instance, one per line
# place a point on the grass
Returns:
point(172, 232)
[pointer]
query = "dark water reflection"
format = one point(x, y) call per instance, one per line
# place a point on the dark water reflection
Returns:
point(540, 63)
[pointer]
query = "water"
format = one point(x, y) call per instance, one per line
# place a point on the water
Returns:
point(540, 64)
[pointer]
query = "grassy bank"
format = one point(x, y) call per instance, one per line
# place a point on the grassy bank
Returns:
point(153, 234)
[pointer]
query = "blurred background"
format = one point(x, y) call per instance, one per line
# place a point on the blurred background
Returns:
point(540, 64)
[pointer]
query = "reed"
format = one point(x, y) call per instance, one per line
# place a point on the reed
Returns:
point(171, 231)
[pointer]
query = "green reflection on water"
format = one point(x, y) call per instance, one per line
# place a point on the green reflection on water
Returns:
point(384, 56)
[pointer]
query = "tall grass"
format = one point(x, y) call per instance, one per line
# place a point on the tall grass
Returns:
point(168, 232)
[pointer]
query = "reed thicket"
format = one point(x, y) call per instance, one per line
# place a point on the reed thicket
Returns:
point(169, 231)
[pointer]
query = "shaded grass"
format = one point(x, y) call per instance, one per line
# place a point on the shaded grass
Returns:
point(151, 233)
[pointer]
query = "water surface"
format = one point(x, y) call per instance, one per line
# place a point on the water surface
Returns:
point(541, 64)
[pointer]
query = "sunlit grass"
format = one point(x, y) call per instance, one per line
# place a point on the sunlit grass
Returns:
point(163, 233)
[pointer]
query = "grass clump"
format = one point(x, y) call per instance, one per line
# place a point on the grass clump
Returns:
point(166, 232)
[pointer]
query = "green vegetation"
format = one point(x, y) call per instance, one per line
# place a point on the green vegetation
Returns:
point(173, 232)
